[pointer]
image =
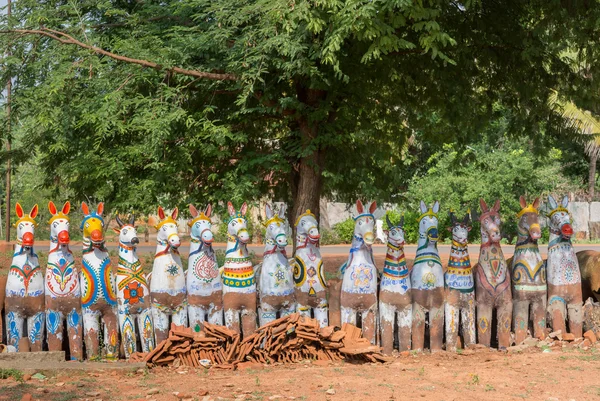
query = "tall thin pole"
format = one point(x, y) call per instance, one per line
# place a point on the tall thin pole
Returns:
point(8, 139)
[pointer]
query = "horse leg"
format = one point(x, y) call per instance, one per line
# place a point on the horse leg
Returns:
point(267, 314)
point(557, 309)
point(146, 328)
point(504, 316)
point(322, 313)
point(575, 309)
point(128, 338)
point(387, 314)
point(180, 318)
point(249, 321)
point(452, 320)
point(111, 334)
point(303, 310)
point(75, 330)
point(436, 328)
point(404, 327)
point(215, 313)
point(14, 321)
point(54, 327)
point(35, 327)
point(232, 320)
point(520, 317)
point(369, 322)
point(197, 317)
point(538, 315)
point(418, 327)
point(468, 320)
point(161, 325)
point(484, 319)
point(91, 327)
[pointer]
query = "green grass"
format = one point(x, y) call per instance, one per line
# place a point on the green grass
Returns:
point(14, 373)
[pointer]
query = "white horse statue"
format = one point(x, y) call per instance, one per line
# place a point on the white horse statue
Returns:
point(359, 283)
point(63, 291)
point(167, 287)
point(25, 288)
point(204, 285)
point(311, 287)
point(133, 293)
point(276, 280)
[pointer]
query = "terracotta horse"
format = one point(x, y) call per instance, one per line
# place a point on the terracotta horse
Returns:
point(239, 285)
point(562, 267)
point(395, 295)
point(133, 293)
point(427, 279)
point(98, 288)
point(310, 283)
point(528, 274)
point(460, 287)
point(359, 283)
point(24, 302)
point(204, 285)
point(492, 280)
point(168, 290)
point(276, 279)
point(63, 291)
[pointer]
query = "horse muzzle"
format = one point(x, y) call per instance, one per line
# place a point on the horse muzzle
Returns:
point(207, 237)
point(535, 231)
point(96, 236)
point(135, 241)
point(63, 237)
point(313, 234)
point(566, 230)
point(369, 238)
point(243, 236)
point(433, 234)
point(27, 239)
point(174, 241)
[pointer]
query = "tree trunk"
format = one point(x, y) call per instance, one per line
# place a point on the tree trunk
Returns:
point(592, 176)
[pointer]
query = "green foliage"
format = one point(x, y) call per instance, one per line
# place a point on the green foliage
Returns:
point(344, 230)
point(328, 237)
point(14, 373)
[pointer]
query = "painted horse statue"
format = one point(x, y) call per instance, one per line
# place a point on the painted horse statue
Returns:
point(492, 281)
point(275, 278)
point(562, 267)
point(427, 279)
point(395, 295)
point(204, 285)
point(63, 291)
point(168, 291)
point(528, 274)
point(98, 288)
point(24, 300)
point(311, 287)
point(359, 283)
point(239, 285)
point(460, 287)
point(133, 295)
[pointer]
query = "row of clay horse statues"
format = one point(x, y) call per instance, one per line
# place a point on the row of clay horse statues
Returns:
point(134, 308)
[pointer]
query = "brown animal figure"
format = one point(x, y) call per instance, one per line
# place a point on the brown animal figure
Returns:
point(589, 267)
point(528, 274)
point(492, 281)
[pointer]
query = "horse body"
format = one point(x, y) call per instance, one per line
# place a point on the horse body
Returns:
point(308, 270)
point(492, 280)
point(98, 288)
point(168, 290)
point(359, 283)
point(395, 294)
point(204, 285)
point(528, 275)
point(24, 300)
point(427, 279)
point(562, 268)
point(63, 291)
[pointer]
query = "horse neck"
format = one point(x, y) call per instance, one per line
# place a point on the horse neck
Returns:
point(271, 249)
point(556, 239)
point(58, 250)
point(394, 253)
point(20, 250)
point(425, 246)
point(360, 250)
point(488, 247)
point(129, 254)
point(458, 250)
point(197, 246)
point(235, 249)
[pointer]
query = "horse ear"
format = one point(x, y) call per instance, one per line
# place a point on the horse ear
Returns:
point(536, 203)
point(117, 230)
point(34, 211)
point(268, 211)
point(373, 207)
point(208, 210)
point(85, 209)
point(100, 208)
point(161, 213)
point(423, 207)
point(565, 201)
point(436, 207)
point(52, 208)
point(552, 202)
point(175, 213)
point(230, 209)
point(497, 206)
point(244, 208)
point(483, 206)
point(359, 207)
point(282, 211)
point(193, 210)
point(522, 202)
point(19, 210)
point(66, 207)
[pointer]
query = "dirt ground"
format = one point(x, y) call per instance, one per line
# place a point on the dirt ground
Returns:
point(553, 374)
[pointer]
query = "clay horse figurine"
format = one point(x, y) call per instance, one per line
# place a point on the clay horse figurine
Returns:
point(167, 287)
point(528, 274)
point(359, 283)
point(308, 270)
point(98, 288)
point(239, 285)
point(492, 280)
point(562, 267)
point(133, 294)
point(276, 279)
point(204, 286)
point(460, 288)
point(25, 288)
point(63, 292)
point(395, 295)
point(427, 279)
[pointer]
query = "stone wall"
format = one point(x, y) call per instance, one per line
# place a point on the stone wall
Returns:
point(586, 219)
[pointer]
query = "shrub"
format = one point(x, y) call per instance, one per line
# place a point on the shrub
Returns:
point(345, 230)
point(329, 237)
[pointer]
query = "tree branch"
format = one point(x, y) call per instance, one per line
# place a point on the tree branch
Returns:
point(69, 40)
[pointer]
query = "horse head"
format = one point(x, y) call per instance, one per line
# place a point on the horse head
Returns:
point(365, 223)
point(276, 226)
point(490, 223)
point(200, 225)
point(59, 223)
point(560, 218)
point(395, 232)
point(237, 225)
point(529, 219)
point(166, 229)
point(25, 226)
point(428, 222)
point(460, 229)
point(127, 232)
point(93, 223)
point(307, 226)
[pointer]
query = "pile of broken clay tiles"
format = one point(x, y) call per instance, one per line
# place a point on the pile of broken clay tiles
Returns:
point(288, 339)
